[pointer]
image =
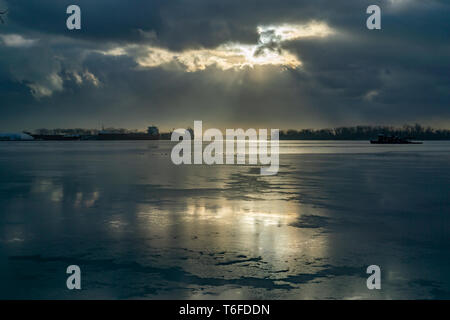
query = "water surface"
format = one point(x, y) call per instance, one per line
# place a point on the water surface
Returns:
point(140, 227)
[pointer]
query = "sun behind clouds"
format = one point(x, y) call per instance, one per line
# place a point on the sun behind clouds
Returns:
point(232, 55)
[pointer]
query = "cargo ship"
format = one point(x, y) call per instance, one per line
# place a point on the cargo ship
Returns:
point(383, 139)
point(151, 134)
point(55, 137)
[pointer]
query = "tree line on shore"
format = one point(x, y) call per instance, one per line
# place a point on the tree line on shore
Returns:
point(416, 131)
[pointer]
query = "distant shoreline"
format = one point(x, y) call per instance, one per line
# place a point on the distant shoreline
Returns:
point(356, 133)
point(131, 140)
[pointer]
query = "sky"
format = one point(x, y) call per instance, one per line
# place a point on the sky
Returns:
point(233, 63)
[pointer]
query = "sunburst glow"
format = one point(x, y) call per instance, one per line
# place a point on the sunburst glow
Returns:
point(232, 55)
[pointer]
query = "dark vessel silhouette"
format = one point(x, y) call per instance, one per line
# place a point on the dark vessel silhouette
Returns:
point(383, 139)
point(55, 137)
point(151, 134)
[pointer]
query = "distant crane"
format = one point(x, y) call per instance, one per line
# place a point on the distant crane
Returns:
point(2, 13)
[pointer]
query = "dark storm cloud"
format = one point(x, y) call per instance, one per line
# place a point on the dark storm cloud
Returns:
point(50, 76)
point(183, 23)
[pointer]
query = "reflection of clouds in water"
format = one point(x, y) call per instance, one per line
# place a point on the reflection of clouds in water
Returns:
point(57, 194)
point(13, 236)
point(267, 219)
point(117, 224)
point(86, 199)
point(52, 189)
point(248, 228)
point(225, 231)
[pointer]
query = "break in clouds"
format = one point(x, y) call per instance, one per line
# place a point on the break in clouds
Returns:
point(229, 63)
point(231, 55)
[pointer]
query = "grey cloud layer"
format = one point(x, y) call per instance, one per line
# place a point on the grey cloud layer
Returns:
point(52, 77)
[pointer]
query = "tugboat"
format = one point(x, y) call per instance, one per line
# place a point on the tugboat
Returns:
point(383, 139)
